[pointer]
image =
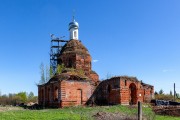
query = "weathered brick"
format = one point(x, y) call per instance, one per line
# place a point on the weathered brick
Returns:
point(129, 91)
point(71, 88)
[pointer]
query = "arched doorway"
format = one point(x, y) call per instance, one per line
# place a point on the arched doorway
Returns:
point(132, 94)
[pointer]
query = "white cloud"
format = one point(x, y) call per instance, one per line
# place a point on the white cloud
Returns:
point(95, 61)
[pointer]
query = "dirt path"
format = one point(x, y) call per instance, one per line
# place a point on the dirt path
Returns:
point(2, 109)
point(113, 116)
point(167, 110)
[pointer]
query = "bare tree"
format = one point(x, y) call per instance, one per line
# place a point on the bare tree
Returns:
point(51, 72)
point(42, 80)
point(47, 73)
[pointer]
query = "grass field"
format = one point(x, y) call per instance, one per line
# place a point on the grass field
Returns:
point(159, 117)
point(78, 113)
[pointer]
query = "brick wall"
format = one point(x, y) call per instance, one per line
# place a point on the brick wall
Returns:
point(65, 93)
point(121, 90)
point(75, 92)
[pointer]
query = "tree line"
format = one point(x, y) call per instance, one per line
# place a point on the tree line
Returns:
point(169, 96)
point(17, 98)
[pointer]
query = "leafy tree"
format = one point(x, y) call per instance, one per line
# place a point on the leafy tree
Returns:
point(161, 91)
point(23, 96)
point(15, 99)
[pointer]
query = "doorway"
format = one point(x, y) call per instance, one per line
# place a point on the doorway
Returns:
point(132, 94)
point(79, 96)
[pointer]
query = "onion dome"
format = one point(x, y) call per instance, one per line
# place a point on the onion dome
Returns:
point(73, 24)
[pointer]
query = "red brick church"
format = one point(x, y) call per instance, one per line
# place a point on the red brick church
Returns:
point(78, 84)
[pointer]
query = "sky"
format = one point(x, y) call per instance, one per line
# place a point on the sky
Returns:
point(124, 37)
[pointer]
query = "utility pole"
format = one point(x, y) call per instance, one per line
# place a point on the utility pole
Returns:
point(174, 92)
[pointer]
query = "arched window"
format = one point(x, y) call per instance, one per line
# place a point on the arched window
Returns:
point(125, 82)
point(75, 34)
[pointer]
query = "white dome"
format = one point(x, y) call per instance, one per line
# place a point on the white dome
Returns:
point(73, 24)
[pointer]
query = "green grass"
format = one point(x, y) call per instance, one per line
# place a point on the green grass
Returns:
point(160, 117)
point(77, 113)
point(39, 115)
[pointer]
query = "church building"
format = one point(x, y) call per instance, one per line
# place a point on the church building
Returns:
point(77, 84)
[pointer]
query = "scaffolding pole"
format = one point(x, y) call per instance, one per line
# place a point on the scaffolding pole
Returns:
point(55, 49)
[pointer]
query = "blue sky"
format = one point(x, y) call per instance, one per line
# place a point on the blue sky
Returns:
point(124, 37)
